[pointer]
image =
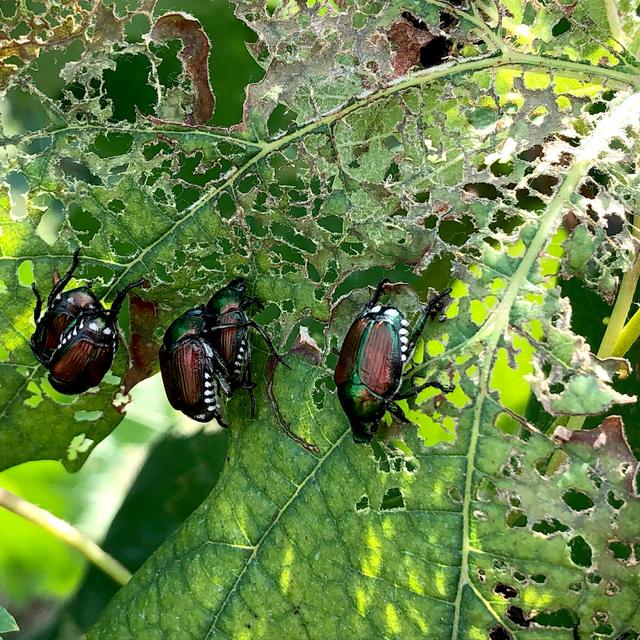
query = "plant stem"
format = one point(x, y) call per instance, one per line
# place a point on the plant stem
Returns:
point(627, 336)
point(620, 311)
point(65, 532)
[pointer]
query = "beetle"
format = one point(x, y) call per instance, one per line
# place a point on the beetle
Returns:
point(62, 308)
point(76, 338)
point(191, 368)
point(369, 373)
point(228, 329)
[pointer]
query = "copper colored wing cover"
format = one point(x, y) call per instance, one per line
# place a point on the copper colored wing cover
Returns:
point(81, 365)
point(349, 352)
point(380, 362)
point(227, 341)
point(55, 331)
point(183, 373)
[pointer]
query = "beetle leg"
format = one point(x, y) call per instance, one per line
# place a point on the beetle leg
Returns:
point(377, 293)
point(249, 385)
point(38, 308)
point(432, 309)
point(64, 281)
point(119, 299)
point(267, 339)
point(396, 411)
point(220, 420)
point(415, 390)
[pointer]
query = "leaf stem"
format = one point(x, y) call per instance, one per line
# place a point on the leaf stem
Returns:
point(65, 532)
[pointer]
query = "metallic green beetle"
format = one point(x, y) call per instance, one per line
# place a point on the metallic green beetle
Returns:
point(369, 372)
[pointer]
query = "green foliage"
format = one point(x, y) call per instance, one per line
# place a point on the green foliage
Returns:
point(349, 164)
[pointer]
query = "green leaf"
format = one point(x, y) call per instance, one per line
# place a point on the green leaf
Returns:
point(7, 622)
point(350, 164)
point(315, 549)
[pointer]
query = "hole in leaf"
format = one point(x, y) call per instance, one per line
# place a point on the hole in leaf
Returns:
point(505, 590)
point(597, 107)
point(499, 633)
point(487, 490)
point(415, 22)
point(615, 224)
point(392, 499)
point(458, 231)
point(577, 500)
point(112, 144)
point(560, 618)
point(447, 20)
point(544, 184)
point(481, 190)
point(599, 176)
point(500, 169)
point(560, 27)
point(516, 518)
point(129, 88)
point(435, 51)
point(363, 504)
point(549, 526)
point(25, 273)
point(506, 222)
point(532, 153)
point(580, 551)
point(83, 223)
point(616, 503)
point(78, 171)
point(620, 550)
point(528, 202)
point(517, 616)
point(589, 189)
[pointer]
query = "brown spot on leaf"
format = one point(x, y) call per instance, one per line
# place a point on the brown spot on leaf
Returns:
point(608, 438)
point(194, 56)
point(144, 348)
point(306, 347)
point(407, 38)
point(570, 221)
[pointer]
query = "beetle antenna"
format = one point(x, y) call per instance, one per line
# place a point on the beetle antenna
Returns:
point(64, 281)
point(120, 296)
point(377, 293)
point(270, 345)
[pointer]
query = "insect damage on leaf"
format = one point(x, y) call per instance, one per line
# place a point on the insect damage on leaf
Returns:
point(194, 56)
point(461, 175)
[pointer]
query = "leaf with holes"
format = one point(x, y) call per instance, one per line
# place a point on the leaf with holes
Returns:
point(507, 161)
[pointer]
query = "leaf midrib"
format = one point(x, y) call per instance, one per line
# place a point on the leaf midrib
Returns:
point(269, 529)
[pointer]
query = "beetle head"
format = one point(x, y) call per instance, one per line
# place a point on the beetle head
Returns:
point(228, 298)
point(363, 410)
